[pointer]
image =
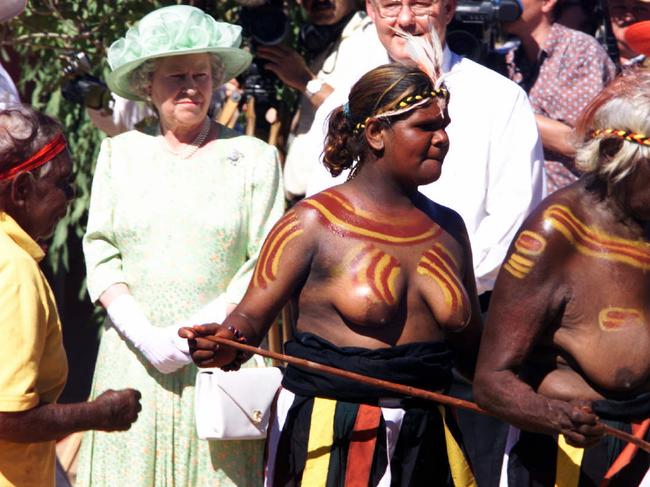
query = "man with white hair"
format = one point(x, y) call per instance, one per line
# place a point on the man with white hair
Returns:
point(565, 348)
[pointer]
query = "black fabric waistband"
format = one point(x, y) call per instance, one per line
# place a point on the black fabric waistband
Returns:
point(422, 365)
point(629, 410)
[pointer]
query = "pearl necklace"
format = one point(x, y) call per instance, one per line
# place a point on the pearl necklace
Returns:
point(189, 149)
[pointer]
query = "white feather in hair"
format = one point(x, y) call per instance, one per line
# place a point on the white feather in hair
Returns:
point(426, 52)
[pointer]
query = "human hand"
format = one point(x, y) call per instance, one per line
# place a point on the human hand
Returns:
point(117, 410)
point(164, 350)
point(160, 346)
point(233, 88)
point(287, 64)
point(576, 421)
point(205, 352)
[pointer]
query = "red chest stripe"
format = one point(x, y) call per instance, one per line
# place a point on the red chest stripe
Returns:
point(267, 265)
point(440, 266)
point(595, 243)
point(345, 220)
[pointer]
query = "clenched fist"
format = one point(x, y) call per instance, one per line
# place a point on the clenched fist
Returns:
point(117, 410)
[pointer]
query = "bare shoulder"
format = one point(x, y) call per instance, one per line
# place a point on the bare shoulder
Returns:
point(561, 216)
point(448, 219)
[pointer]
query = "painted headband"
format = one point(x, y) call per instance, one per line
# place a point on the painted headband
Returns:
point(404, 105)
point(44, 155)
point(635, 137)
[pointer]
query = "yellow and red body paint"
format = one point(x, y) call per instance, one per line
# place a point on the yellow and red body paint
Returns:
point(438, 264)
point(612, 319)
point(528, 244)
point(345, 220)
point(595, 243)
point(376, 269)
point(267, 266)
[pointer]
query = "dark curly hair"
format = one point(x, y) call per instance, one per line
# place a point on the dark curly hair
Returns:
point(23, 131)
point(378, 91)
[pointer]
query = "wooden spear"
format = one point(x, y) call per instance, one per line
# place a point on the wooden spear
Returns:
point(402, 389)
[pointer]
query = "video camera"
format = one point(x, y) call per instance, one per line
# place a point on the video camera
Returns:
point(79, 86)
point(473, 32)
point(265, 23)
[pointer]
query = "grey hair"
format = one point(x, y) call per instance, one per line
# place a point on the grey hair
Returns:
point(140, 78)
point(623, 105)
point(23, 131)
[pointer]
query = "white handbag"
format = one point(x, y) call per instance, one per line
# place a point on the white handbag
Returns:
point(235, 405)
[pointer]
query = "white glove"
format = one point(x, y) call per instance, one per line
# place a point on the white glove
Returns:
point(162, 347)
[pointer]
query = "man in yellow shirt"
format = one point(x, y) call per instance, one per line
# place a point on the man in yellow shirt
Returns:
point(35, 190)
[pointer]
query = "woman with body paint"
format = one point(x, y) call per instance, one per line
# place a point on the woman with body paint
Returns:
point(567, 340)
point(384, 284)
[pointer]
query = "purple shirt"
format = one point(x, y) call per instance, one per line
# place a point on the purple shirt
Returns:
point(571, 69)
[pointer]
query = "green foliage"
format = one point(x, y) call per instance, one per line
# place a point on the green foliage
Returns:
point(40, 38)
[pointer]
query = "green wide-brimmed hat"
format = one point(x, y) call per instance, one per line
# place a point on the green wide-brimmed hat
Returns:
point(172, 31)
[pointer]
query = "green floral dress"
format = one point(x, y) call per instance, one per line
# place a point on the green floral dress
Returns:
point(179, 233)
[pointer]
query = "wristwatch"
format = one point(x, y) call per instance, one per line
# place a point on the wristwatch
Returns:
point(313, 86)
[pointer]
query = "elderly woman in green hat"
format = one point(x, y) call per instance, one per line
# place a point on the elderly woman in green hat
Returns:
point(177, 215)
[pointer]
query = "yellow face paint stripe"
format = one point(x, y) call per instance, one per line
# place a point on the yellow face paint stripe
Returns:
point(383, 263)
point(447, 283)
point(442, 266)
point(610, 256)
point(319, 445)
point(461, 472)
point(522, 260)
point(513, 271)
point(523, 243)
point(606, 247)
point(267, 265)
point(569, 459)
point(519, 267)
point(595, 236)
point(613, 319)
point(391, 281)
point(434, 260)
point(365, 232)
point(362, 213)
point(276, 260)
point(443, 250)
point(441, 284)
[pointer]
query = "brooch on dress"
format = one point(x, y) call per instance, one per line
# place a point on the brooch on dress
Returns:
point(234, 157)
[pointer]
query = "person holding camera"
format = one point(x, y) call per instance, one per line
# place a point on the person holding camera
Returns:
point(562, 70)
point(175, 221)
point(35, 191)
point(332, 46)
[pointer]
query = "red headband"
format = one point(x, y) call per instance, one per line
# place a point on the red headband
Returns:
point(48, 152)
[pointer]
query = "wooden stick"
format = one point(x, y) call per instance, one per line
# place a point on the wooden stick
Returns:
point(402, 389)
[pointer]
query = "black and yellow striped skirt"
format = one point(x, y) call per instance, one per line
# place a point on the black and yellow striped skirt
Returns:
point(320, 442)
